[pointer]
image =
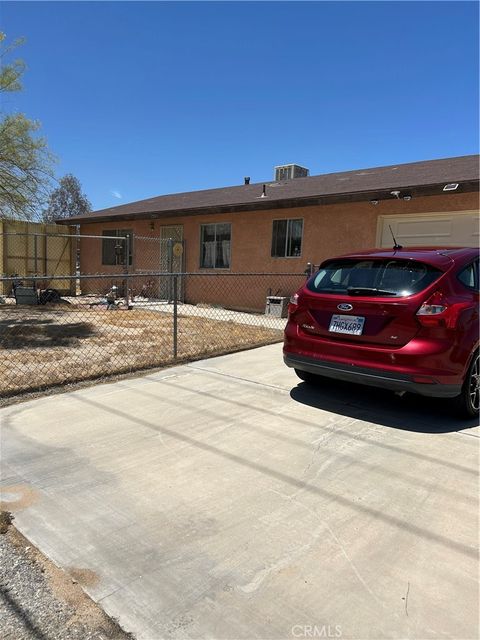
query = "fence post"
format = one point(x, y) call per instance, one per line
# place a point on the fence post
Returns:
point(127, 260)
point(35, 253)
point(170, 269)
point(175, 315)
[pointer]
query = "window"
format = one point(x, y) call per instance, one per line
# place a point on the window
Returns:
point(469, 275)
point(113, 251)
point(287, 238)
point(396, 278)
point(215, 246)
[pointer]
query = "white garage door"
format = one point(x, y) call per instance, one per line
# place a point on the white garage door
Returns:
point(459, 228)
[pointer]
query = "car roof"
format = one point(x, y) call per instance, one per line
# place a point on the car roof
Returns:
point(436, 256)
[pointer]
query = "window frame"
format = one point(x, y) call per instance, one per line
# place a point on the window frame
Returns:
point(117, 233)
point(288, 221)
point(206, 224)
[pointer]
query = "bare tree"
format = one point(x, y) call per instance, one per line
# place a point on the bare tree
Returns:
point(66, 200)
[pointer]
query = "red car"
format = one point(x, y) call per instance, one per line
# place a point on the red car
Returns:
point(400, 319)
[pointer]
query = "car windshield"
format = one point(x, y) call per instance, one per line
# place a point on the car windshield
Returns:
point(395, 278)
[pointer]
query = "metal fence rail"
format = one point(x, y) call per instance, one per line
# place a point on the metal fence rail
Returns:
point(122, 322)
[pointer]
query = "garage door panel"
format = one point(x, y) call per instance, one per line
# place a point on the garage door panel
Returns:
point(413, 229)
point(447, 229)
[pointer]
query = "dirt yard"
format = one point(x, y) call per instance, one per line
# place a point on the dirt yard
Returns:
point(41, 347)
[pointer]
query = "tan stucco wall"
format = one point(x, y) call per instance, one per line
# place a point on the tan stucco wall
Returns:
point(328, 230)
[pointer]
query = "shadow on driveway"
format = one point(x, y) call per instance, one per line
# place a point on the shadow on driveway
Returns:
point(378, 406)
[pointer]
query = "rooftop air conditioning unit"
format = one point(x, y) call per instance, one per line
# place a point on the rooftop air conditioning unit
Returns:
point(290, 171)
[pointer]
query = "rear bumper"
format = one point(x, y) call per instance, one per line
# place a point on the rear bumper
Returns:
point(369, 376)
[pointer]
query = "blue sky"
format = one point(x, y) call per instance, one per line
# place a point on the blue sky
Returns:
point(140, 99)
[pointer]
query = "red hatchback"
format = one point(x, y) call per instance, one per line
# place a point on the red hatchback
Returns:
point(400, 319)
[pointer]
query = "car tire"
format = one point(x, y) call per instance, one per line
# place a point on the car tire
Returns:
point(306, 376)
point(467, 403)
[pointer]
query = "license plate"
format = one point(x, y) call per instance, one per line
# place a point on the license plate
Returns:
point(353, 325)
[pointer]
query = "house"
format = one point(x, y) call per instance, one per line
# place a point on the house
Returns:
point(280, 226)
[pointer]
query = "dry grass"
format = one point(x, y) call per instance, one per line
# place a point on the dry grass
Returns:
point(45, 346)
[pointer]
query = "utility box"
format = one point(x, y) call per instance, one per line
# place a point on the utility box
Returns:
point(276, 306)
point(26, 295)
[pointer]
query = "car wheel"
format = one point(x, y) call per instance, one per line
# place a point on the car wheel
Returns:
point(468, 402)
point(306, 376)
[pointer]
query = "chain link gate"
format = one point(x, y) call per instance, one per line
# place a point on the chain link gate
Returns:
point(162, 256)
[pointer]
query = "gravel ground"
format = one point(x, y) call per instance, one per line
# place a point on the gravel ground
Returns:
point(39, 601)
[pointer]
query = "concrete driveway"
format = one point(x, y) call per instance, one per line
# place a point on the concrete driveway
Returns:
point(225, 499)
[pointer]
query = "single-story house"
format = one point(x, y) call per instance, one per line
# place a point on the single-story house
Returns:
point(282, 225)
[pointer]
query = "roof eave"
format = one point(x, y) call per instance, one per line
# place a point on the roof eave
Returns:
point(263, 204)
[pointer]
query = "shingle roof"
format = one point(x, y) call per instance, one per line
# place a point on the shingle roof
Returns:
point(353, 185)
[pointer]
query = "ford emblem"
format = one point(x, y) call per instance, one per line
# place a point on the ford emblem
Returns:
point(345, 306)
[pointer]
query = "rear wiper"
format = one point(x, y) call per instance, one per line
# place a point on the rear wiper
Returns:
point(369, 291)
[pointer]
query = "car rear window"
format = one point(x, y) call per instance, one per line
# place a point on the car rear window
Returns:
point(395, 278)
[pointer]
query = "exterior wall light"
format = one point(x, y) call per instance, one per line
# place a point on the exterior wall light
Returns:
point(374, 202)
point(407, 198)
point(451, 186)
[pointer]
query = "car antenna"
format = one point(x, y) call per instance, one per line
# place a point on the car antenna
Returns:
point(395, 245)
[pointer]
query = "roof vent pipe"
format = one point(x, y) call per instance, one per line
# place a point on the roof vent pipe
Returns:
point(264, 191)
point(247, 179)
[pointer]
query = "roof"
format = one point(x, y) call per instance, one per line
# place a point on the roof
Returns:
point(417, 177)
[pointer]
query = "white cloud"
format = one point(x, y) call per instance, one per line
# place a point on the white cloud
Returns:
point(116, 194)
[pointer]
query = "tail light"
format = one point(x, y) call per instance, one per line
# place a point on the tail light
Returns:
point(293, 303)
point(438, 311)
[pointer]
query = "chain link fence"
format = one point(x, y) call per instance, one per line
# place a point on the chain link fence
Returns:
point(116, 323)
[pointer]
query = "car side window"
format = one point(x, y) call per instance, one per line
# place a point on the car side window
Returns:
point(469, 275)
